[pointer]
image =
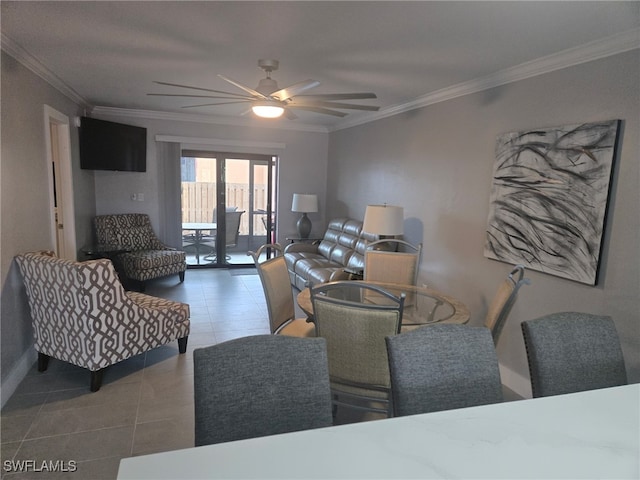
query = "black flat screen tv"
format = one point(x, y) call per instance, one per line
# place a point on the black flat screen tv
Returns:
point(112, 146)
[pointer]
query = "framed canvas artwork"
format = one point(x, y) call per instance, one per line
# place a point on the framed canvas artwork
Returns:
point(549, 198)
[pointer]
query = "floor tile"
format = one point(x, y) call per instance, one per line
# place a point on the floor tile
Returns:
point(166, 410)
point(82, 419)
point(109, 394)
point(15, 428)
point(100, 469)
point(38, 382)
point(90, 445)
point(164, 435)
point(28, 404)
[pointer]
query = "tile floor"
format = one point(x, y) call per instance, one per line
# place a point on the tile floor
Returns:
point(145, 404)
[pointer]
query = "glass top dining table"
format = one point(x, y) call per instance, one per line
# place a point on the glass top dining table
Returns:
point(198, 228)
point(422, 305)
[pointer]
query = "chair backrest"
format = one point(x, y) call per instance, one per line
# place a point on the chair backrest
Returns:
point(386, 266)
point(132, 231)
point(571, 352)
point(260, 385)
point(276, 285)
point(233, 228)
point(441, 367)
point(355, 329)
point(503, 301)
point(214, 216)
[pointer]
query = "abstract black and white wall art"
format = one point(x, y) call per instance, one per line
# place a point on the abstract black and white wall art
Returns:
point(549, 198)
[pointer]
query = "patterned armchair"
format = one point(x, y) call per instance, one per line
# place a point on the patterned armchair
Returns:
point(81, 314)
point(145, 256)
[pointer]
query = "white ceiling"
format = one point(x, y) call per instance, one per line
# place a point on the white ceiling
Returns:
point(109, 53)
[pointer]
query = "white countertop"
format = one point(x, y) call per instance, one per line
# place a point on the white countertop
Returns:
point(593, 434)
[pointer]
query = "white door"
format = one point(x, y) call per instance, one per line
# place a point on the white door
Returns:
point(63, 232)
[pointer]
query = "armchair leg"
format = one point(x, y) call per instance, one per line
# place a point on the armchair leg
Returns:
point(182, 344)
point(181, 275)
point(96, 380)
point(43, 362)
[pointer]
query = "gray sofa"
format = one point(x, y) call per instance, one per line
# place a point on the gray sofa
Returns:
point(342, 246)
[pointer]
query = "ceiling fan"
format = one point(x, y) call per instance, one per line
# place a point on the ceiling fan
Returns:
point(269, 101)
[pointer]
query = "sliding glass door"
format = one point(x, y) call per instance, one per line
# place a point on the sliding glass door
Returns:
point(228, 205)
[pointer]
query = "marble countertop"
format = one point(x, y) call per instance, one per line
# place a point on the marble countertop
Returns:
point(594, 434)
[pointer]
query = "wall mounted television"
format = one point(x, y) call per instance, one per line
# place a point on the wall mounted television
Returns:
point(112, 146)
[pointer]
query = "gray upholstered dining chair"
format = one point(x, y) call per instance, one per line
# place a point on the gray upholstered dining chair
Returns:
point(260, 385)
point(442, 367)
point(383, 265)
point(279, 294)
point(355, 318)
point(503, 301)
point(572, 352)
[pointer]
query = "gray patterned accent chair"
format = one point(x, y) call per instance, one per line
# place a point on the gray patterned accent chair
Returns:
point(145, 257)
point(81, 314)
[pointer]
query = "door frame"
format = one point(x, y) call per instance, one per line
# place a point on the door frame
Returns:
point(58, 123)
point(221, 157)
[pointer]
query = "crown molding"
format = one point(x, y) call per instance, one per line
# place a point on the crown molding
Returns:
point(37, 67)
point(595, 50)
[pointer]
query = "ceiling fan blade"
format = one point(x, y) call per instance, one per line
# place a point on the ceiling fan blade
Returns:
point(338, 96)
point(295, 89)
point(313, 103)
point(325, 111)
point(250, 91)
point(198, 96)
point(213, 104)
point(290, 115)
point(198, 88)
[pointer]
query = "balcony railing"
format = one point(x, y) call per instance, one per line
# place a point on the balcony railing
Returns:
point(199, 202)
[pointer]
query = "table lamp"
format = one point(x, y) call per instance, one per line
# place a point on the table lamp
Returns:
point(383, 220)
point(304, 203)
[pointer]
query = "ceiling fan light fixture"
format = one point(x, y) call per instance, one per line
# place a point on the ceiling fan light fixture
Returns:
point(267, 100)
point(267, 109)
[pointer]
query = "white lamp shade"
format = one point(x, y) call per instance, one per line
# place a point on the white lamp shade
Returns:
point(384, 220)
point(304, 203)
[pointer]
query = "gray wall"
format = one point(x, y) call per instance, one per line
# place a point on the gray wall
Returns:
point(25, 197)
point(437, 163)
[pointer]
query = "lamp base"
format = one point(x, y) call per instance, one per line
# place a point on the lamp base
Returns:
point(386, 247)
point(304, 226)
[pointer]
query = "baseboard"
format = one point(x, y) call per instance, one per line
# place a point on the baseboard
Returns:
point(516, 382)
point(17, 374)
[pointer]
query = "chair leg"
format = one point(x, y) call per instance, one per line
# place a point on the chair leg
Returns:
point(182, 344)
point(43, 362)
point(181, 275)
point(96, 380)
